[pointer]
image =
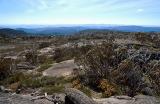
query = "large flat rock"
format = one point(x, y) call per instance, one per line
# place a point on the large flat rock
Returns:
point(64, 68)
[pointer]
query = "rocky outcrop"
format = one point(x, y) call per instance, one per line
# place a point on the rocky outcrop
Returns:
point(74, 96)
point(6, 98)
point(25, 66)
point(140, 99)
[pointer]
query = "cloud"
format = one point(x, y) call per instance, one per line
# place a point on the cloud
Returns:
point(79, 11)
point(34, 5)
point(42, 5)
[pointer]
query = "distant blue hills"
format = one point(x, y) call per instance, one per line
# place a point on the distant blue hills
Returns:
point(135, 29)
point(74, 29)
point(71, 29)
point(53, 30)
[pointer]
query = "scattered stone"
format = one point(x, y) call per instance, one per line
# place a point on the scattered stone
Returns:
point(49, 99)
point(25, 66)
point(5, 90)
point(123, 97)
point(38, 97)
point(36, 93)
point(74, 96)
point(58, 98)
point(2, 88)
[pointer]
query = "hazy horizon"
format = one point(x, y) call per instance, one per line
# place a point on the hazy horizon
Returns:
point(14, 26)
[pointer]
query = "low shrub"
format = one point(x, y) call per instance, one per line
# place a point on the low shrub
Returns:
point(15, 86)
point(53, 89)
point(107, 88)
point(77, 85)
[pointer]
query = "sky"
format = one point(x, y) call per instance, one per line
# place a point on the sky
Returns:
point(51, 12)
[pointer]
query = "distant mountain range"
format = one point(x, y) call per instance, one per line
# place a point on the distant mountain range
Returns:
point(53, 30)
point(7, 32)
point(71, 29)
point(135, 29)
point(74, 29)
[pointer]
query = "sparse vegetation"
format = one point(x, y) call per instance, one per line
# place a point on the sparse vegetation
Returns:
point(110, 62)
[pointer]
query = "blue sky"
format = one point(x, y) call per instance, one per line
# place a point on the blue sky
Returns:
point(50, 12)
